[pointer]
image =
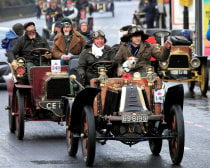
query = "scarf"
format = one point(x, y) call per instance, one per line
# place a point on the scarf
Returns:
point(96, 51)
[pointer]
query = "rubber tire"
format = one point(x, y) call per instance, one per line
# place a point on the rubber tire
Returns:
point(205, 79)
point(72, 143)
point(12, 124)
point(20, 117)
point(155, 146)
point(176, 126)
point(89, 138)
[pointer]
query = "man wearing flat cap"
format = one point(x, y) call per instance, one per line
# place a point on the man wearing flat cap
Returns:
point(134, 45)
point(25, 44)
point(67, 43)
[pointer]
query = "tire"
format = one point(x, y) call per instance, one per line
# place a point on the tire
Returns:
point(155, 146)
point(88, 137)
point(176, 126)
point(72, 142)
point(20, 117)
point(204, 79)
point(12, 124)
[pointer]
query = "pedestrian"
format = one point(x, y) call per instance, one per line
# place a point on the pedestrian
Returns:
point(92, 53)
point(150, 11)
point(67, 43)
point(12, 36)
point(26, 43)
point(85, 31)
point(57, 29)
point(38, 10)
point(135, 46)
point(81, 6)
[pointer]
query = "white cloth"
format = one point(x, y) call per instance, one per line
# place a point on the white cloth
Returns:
point(97, 52)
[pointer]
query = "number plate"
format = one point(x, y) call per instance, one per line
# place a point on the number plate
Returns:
point(179, 72)
point(134, 117)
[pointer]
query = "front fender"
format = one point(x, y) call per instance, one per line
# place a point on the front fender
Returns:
point(174, 95)
point(85, 97)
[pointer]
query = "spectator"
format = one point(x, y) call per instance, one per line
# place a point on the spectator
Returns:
point(57, 29)
point(67, 43)
point(93, 52)
point(150, 11)
point(12, 36)
point(136, 46)
point(38, 10)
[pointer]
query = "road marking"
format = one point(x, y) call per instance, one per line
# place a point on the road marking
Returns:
point(189, 122)
point(197, 125)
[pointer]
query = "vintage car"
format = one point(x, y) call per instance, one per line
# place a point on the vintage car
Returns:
point(182, 65)
point(101, 6)
point(37, 99)
point(130, 109)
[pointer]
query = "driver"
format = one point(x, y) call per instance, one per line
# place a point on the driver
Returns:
point(25, 44)
point(136, 46)
point(93, 52)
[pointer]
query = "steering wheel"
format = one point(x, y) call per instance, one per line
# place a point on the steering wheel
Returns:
point(40, 52)
point(162, 34)
point(105, 64)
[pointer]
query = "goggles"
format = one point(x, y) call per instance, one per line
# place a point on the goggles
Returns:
point(98, 33)
point(66, 24)
point(134, 29)
point(30, 31)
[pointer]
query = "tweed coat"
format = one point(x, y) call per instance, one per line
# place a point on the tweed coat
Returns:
point(75, 46)
point(144, 54)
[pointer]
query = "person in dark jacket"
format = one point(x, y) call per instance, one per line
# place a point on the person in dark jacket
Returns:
point(85, 31)
point(137, 47)
point(150, 11)
point(25, 44)
point(92, 53)
point(12, 36)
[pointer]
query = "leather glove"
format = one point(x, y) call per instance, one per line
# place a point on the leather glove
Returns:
point(14, 64)
point(48, 55)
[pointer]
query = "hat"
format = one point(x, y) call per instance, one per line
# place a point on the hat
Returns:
point(136, 31)
point(98, 33)
point(66, 22)
point(124, 33)
point(28, 24)
point(18, 29)
point(69, 2)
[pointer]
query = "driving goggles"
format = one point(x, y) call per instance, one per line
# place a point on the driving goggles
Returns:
point(98, 33)
point(31, 31)
point(67, 24)
point(134, 29)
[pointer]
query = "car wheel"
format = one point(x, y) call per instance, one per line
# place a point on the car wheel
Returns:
point(20, 117)
point(155, 146)
point(12, 124)
point(176, 127)
point(204, 79)
point(88, 135)
point(72, 142)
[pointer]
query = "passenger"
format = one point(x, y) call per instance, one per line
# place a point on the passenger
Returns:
point(12, 36)
point(85, 31)
point(53, 14)
point(137, 46)
point(67, 43)
point(25, 45)
point(70, 11)
point(92, 53)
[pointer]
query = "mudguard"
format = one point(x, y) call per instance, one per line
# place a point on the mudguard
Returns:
point(85, 97)
point(174, 95)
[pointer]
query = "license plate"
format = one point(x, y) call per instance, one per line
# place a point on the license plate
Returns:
point(133, 118)
point(179, 72)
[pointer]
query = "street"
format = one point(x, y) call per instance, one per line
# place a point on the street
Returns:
point(44, 144)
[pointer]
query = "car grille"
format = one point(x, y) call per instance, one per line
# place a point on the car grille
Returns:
point(57, 88)
point(178, 61)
